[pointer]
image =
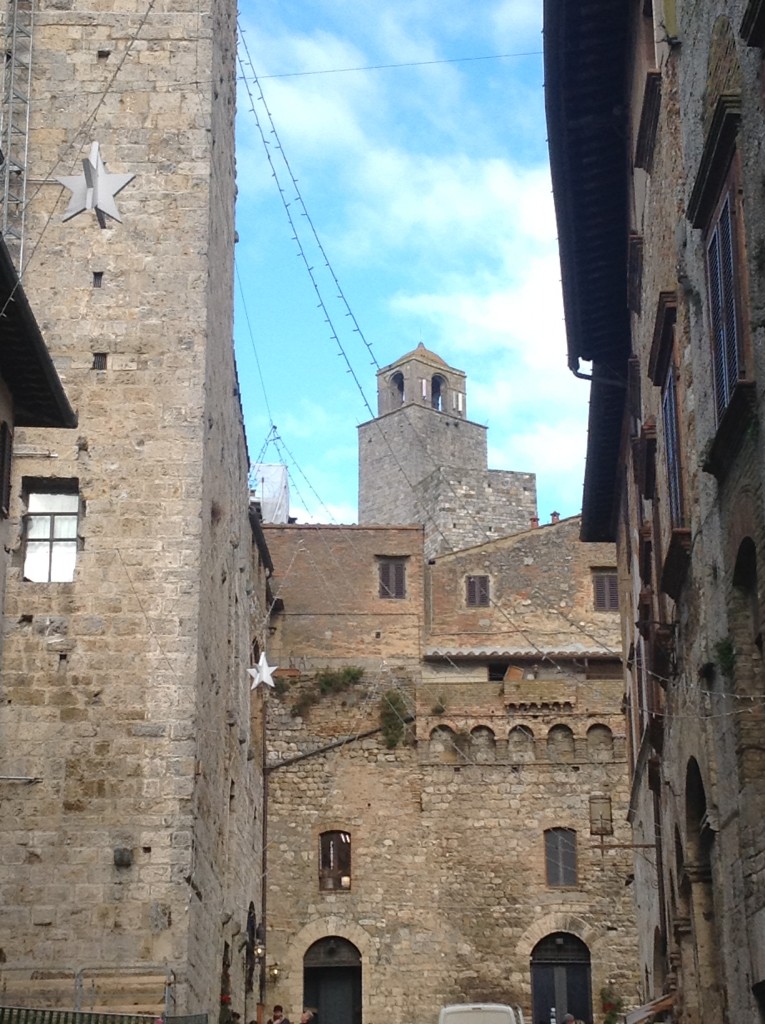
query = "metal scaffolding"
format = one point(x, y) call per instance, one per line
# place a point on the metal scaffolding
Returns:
point(14, 123)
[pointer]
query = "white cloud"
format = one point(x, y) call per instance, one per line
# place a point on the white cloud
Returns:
point(516, 20)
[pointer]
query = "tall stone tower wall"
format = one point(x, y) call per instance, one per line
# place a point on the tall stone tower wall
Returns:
point(474, 506)
point(124, 691)
point(419, 465)
point(400, 450)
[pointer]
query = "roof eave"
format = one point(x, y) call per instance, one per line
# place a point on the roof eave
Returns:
point(585, 99)
point(38, 395)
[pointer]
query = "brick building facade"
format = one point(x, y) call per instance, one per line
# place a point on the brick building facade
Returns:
point(131, 779)
point(447, 784)
point(662, 227)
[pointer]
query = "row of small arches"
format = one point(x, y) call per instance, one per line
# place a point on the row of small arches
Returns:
point(481, 744)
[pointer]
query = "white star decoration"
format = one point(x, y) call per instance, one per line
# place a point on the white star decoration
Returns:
point(262, 673)
point(94, 189)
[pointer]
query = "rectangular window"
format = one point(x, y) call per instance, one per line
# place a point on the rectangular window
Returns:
point(722, 284)
point(392, 577)
point(601, 821)
point(605, 590)
point(335, 861)
point(6, 446)
point(477, 591)
point(50, 532)
point(560, 857)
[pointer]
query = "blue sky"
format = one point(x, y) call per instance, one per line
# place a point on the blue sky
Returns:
point(428, 188)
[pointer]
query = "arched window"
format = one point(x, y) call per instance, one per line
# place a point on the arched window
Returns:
point(520, 744)
point(600, 743)
point(335, 860)
point(746, 624)
point(443, 745)
point(438, 391)
point(560, 978)
point(482, 745)
point(560, 743)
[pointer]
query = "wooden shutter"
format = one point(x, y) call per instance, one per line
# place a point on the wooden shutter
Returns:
point(477, 591)
point(721, 273)
point(399, 579)
point(605, 591)
point(672, 447)
point(392, 577)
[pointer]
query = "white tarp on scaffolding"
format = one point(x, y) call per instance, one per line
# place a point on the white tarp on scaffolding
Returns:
point(269, 486)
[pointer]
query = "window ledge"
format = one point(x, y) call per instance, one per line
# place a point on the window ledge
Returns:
point(644, 458)
point(738, 417)
point(676, 563)
point(715, 159)
point(649, 121)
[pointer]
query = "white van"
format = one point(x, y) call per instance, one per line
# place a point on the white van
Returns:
point(480, 1013)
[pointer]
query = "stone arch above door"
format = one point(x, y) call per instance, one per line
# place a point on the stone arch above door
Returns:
point(291, 989)
point(557, 922)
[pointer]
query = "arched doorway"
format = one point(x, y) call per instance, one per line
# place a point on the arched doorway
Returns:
point(560, 979)
point(332, 980)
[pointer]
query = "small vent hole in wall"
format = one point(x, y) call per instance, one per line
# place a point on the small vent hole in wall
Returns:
point(104, 54)
point(99, 360)
point(98, 278)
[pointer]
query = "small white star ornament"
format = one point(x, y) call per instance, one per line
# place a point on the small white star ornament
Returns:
point(94, 189)
point(262, 673)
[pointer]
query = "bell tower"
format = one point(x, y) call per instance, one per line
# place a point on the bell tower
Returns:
point(421, 378)
point(421, 460)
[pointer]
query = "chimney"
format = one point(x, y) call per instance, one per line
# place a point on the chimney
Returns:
point(555, 517)
point(534, 522)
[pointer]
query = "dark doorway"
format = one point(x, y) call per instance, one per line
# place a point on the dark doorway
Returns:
point(332, 981)
point(560, 979)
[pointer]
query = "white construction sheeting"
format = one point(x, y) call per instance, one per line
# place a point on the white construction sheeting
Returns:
point(269, 486)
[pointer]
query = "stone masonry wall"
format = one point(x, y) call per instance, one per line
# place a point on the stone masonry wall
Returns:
point(124, 691)
point(712, 929)
point(471, 506)
point(448, 894)
point(400, 449)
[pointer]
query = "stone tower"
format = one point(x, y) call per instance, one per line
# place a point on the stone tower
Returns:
point(422, 461)
point(130, 786)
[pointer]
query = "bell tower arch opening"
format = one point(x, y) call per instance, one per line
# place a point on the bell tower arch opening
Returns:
point(397, 389)
point(438, 392)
